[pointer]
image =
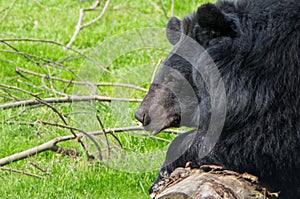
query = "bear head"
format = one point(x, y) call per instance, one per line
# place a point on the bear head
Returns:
point(179, 96)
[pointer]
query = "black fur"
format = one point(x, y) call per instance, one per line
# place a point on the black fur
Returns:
point(256, 47)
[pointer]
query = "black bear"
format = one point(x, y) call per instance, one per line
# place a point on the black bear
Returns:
point(255, 46)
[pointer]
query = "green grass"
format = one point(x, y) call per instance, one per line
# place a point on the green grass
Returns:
point(66, 177)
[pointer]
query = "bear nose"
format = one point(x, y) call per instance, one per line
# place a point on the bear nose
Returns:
point(142, 117)
point(139, 116)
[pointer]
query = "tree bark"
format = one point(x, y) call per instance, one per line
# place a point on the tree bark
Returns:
point(209, 182)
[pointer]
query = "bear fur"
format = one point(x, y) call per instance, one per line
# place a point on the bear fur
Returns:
point(255, 45)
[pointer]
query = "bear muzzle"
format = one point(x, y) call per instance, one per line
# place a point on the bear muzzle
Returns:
point(155, 119)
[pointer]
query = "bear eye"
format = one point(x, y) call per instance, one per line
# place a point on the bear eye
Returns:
point(169, 78)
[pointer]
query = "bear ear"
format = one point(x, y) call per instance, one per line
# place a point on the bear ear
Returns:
point(209, 16)
point(173, 30)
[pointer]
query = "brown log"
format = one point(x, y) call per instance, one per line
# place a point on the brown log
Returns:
point(209, 182)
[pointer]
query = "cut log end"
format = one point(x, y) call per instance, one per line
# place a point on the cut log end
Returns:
point(209, 182)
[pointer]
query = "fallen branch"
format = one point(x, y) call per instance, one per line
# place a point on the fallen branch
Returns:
point(20, 172)
point(22, 112)
point(54, 43)
point(21, 70)
point(105, 135)
point(161, 10)
point(172, 7)
point(68, 99)
point(164, 10)
point(42, 41)
point(52, 144)
point(25, 55)
point(81, 26)
point(31, 58)
point(139, 128)
point(3, 9)
point(8, 11)
point(156, 69)
point(38, 167)
point(59, 149)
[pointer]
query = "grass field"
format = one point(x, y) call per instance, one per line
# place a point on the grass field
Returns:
point(65, 176)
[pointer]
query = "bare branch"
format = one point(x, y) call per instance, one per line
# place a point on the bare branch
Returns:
point(18, 89)
point(161, 10)
point(81, 26)
point(9, 95)
point(172, 7)
point(112, 131)
point(31, 58)
point(21, 112)
point(21, 70)
point(26, 55)
point(50, 145)
point(4, 9)
point(78, 138)
point(33, 151)
point(38, 99)
point(155, 69)
point(8, 11)
point(52, 89)
point(20, 123)
point(38, 167)
point(42, 41)
point(105, 134)
point(20, 172)
point(55, 43)
point(99, 17)
point(39, 4)
point(55, 148)
point(68, 99)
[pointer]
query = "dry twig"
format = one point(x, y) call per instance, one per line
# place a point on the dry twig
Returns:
point(8, 11)
point(81, 26)
point(54, 43)
point(52, 144)
point(20, 172)
point(55, 148)
point(172, 7)
point(160, 9)
point(38, 167)
point(105, 134)
point(155, 69)
point(68, 99)
point(30, 102)
point(98, 84)
point(163, 9)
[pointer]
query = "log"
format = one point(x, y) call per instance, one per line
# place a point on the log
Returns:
point(209, 182)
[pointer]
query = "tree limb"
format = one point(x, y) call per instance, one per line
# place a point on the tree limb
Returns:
point(52, 144)
point(54, 43)
point(20, 172)
point(81, 26)
point(21, 70)
point(68, 99)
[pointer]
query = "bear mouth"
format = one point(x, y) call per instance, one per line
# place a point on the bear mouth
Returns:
point(155, 127)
